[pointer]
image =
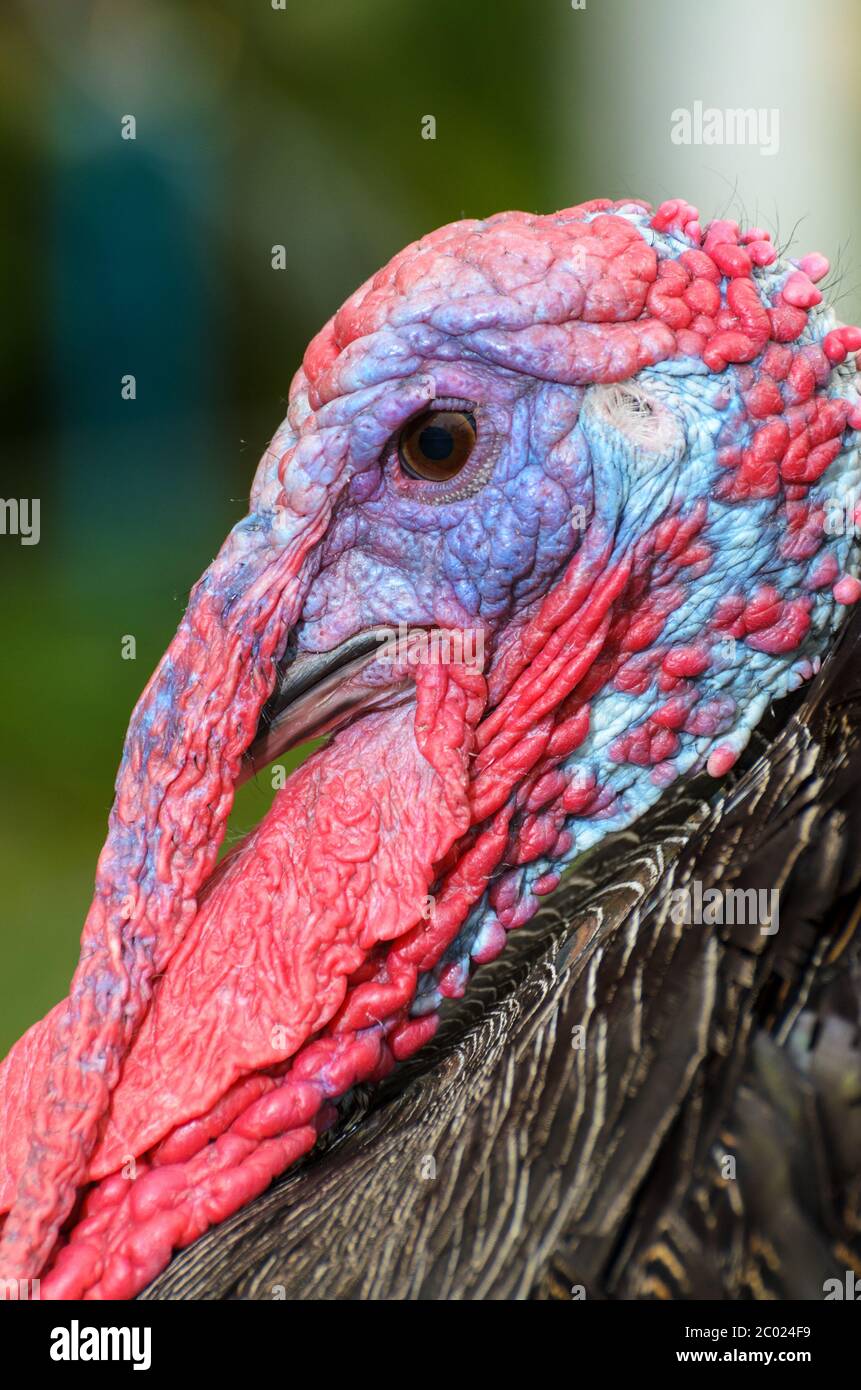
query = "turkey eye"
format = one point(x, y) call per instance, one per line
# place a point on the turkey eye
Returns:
point(435, 446)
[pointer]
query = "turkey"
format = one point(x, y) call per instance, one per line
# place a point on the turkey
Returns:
point(561, 507)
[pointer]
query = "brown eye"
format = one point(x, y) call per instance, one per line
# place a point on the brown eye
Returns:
point(435, 446)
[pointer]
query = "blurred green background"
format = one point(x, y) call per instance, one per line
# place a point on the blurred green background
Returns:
point(298, 126)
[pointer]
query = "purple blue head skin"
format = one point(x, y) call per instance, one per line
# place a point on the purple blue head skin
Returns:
point(618, 461)
point(598, 421)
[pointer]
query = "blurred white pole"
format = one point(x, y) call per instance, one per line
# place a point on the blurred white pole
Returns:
point(621, 67)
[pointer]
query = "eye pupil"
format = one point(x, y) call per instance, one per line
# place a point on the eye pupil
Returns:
point(436, 442)
point(436, 446)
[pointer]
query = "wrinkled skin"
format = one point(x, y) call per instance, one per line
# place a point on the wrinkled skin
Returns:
point(647, 539)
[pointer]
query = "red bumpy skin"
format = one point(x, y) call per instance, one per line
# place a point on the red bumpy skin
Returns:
point(217, 1015)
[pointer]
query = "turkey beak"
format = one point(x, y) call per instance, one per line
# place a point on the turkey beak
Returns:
point(318, 692)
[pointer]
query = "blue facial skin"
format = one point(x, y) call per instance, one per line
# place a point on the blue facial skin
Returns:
point(483, 558)
point(635, 487)
point(557, 467)
point(397, 552)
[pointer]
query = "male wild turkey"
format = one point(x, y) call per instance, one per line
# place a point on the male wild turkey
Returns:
point(618, 451)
